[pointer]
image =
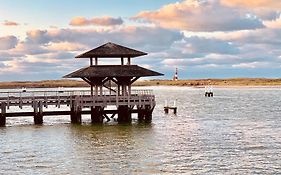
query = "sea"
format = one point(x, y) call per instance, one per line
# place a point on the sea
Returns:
point(238, 131)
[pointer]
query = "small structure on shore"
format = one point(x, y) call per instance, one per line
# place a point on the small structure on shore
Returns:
point(102, 94)
point(209, 91)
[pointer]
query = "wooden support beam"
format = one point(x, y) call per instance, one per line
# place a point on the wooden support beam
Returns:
point(113, 115)
point(105, 80)
point(87, 81)
point(109, 88)
point(134, 79)
point(114, 80)
point(108, 119)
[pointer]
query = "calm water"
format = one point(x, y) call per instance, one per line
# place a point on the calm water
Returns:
point(236, 132)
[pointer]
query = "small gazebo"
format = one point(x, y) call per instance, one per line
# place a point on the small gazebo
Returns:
point(117, 80)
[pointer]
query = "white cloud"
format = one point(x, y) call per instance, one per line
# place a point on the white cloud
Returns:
point(254, 65)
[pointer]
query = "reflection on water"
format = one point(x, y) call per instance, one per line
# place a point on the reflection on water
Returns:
point(236, 132)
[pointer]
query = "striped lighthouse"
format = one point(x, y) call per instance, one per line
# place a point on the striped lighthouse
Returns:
point(175, 78)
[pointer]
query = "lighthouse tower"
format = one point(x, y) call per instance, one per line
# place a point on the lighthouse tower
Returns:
point(175, 78)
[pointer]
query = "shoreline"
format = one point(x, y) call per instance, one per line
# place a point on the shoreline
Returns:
point(196, 83)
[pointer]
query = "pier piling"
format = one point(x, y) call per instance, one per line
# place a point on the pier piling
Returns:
point(97, 114)
point(75, 115)
point(3, 114)
point(124, 114)
point(38, 112)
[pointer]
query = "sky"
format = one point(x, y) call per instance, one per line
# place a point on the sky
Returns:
point(202, 38)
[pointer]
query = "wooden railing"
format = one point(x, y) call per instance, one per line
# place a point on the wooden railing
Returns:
point(81, 98)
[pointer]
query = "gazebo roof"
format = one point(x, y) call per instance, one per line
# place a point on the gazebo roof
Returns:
point(111, 50)
point(112, 71)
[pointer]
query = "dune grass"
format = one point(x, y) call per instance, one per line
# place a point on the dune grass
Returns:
point(213, 82)
point(195, 83)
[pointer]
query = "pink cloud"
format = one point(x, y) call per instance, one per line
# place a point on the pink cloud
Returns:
point(273, 4)
point(276, 24)
point(10, 23)
point(99, 21)
point(8, 42)
point(196, 15)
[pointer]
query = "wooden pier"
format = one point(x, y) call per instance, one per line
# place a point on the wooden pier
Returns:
point(141, 102)
point(110, 85)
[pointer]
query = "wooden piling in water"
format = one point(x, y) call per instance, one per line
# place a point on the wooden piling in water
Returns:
point(38, 112)
point(75, 114)
point(124, 114)
point(141, 114)
point(145, 114)
point(148, 113)
point(3, 114)
point(97, 114)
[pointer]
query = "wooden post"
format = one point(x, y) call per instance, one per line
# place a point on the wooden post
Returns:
point(101, 90)
point(129, 61)
point(124, 114)
point(92, 90)
point(122, 61)
point(3, 114)
point(38, 115)
point(96, 90)
point(91, 61)
point(96, 61)
point(97, 114)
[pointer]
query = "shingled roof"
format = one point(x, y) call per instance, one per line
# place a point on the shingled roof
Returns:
point(111, 50)
point(112, 71)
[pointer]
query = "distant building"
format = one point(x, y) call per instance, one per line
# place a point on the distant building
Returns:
point(175, 78)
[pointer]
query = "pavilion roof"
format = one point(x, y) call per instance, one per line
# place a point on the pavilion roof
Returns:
point(112, 71)
point(111, 50)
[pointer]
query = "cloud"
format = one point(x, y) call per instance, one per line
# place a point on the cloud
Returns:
point(210, 59)
point(65, 46)
point(275, 24)
point(254, 65)
point(203, 45)
point(272, 4)
point(99, 21)
point(198, 15)
point(38, 36)
point(146, 38)
point(8, 42)
point(10, 23)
